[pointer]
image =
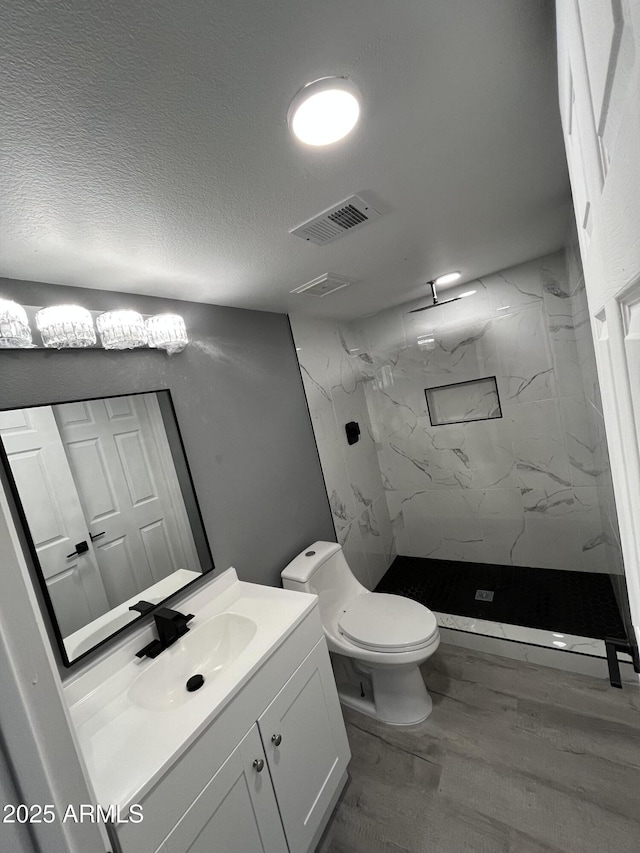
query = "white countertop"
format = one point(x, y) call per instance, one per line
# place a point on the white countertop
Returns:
point(127, 748)
point(94, 632)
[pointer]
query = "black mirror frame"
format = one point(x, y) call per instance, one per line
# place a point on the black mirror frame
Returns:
point(148, 615)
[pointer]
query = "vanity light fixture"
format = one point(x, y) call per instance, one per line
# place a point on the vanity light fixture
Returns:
point(15, 332)
point(71, 327)
point(167, 332)
point(324, 111)
point(122, 329)
point(66, 326)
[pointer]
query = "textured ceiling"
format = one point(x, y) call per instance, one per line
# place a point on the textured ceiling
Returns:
point(144, 145)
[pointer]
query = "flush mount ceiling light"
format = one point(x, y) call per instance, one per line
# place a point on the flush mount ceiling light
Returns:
point(324, 111)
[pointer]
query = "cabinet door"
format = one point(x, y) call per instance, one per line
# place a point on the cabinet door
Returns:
point(236, 812)
point(306, 745)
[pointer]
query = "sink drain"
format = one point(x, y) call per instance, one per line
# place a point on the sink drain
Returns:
point(195, 683)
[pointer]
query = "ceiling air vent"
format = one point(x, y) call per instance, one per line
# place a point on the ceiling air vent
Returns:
point(323, 285)
point(350, 214)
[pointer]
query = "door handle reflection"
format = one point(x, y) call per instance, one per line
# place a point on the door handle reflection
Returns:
point(81, 548)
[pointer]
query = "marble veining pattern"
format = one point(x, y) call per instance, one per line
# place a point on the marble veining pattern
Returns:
point(333, 369)
point(532, 487)
point(528, 488)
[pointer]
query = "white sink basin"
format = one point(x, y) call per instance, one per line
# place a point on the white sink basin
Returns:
point(207, 650)
point(122, 706)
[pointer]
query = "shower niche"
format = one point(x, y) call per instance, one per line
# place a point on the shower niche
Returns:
point(461, 402)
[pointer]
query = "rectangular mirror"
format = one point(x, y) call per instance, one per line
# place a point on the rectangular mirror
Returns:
point(106, 496)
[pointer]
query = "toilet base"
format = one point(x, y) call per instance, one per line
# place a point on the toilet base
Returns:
point(395, 695)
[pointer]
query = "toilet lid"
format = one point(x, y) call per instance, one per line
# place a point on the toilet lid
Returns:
point(386, 622)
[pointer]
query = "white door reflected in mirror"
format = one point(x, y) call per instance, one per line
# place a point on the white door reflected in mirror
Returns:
point(110, 508)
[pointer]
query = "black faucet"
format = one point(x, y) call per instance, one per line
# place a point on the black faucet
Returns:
point(171, 625)
point(143, 607)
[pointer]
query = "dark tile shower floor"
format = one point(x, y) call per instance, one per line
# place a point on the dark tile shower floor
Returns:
point(579, 603)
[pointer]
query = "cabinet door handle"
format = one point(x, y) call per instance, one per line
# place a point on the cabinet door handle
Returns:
point(259, 765)
point(276, 740)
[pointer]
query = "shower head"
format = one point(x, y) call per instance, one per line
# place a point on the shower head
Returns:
point(436, 302)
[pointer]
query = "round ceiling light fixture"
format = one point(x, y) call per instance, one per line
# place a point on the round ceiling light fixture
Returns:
point(448, 278)
point(324, 111)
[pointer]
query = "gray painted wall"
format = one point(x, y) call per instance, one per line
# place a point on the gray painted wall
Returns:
point(240, 406)
point(14, 837)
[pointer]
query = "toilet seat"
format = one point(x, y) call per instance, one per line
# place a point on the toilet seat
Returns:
point(379, 641)
point(387, 623)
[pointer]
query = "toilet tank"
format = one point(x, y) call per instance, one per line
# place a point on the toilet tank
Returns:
point(322, 569)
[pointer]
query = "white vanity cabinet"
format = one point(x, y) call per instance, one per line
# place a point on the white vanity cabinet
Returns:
point(264, 776)
point(236, 812)
point(306, 747)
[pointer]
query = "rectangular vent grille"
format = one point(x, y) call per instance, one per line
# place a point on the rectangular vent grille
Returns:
point(352, 213)
point(348, 217)
point(323, 285)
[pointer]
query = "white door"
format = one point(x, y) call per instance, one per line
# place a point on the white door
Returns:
point(56, 520)
point(130, 492)
point(599, 87)
point(236, 812)
point(306, 746)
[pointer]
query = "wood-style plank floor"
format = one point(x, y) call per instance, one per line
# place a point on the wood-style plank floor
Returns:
point(515, 758)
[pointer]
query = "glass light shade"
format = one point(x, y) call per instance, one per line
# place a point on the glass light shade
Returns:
point(168, 332)
point(324, 111)
point(121, 330)
point(63, 326)
point(15, 331)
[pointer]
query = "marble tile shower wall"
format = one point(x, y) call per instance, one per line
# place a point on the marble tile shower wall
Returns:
point(523, 489)
point(330, 364)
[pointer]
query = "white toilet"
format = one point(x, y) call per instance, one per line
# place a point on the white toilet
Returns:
point(383, 638)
